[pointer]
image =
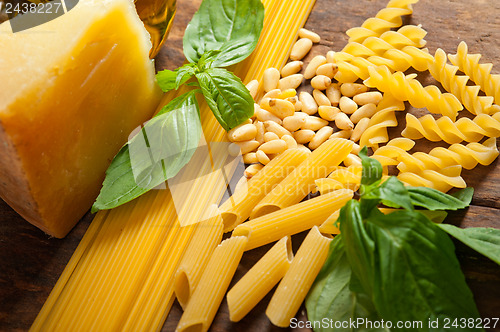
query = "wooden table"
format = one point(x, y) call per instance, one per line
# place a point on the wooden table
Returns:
point(31, 262)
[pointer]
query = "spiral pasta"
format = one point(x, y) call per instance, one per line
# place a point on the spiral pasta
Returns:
point(408, 88)
point(443, 181)
point(386, 19)
point(457, 84)
point(480, 73)
point(464, 129)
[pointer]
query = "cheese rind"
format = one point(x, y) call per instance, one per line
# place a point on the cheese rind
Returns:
point(75, 88)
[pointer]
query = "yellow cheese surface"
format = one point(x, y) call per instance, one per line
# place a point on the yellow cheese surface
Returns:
point(71, 91)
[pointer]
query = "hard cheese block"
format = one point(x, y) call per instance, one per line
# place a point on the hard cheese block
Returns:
point(71, 91)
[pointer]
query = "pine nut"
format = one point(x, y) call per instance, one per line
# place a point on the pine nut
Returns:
point(328, 112)
point(359, 129)
point(250, 158)
point(233, 149)
point(328, 69)
point(248, 146)
point(294, 122)
point(333, 93)
point(253, 88)
point(313, 36)
point(342, 134)
point(303, 148)
point(365, 111)
point(274, 146)
point(291, 68)
point(263, 115)
point(309, 105)
point(303, 136)
point(242, 133)
point(279, 107)
point(298, 106)
point(291, 143)
point(321, 136)
point(310, 71)
point(252, 170)
point(347, 105)
point(330, 56)
point(356, 148)
point(271, 77)
point(321, 82)
point(352, 89)
point(352, 160)
point(288, 93)
point(269, 136)
point(260, 132)
point(272, 94)
point(342, 121)
point(373, 97)
point(276, 128)
point(290, 82)
point(262, 157)
point(314, 123)
point(300, 49)
point(320, 98)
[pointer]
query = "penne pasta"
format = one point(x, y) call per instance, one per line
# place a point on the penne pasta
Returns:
point(292, 220)
point(300, 182)
point(328, 227)
point(213, 284)
point(297, 281)
point(238, 207)
point(259, 280)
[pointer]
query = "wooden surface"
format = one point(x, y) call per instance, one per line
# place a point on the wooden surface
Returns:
point(31, 262)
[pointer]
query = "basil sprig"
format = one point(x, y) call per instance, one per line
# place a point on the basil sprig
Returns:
point(400, 266)
point(221, 33)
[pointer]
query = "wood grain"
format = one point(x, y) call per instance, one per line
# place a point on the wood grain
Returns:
point(31, 262)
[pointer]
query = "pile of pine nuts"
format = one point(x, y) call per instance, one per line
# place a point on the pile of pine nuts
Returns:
point(284, 120)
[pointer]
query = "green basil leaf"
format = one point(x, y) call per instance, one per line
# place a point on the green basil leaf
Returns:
point(436, 217)
point(231, 26)
point(465, 195)
point(170, 80)
point(160, 150)
point(433, 199)
point(227, 97)
point(485, 241)
point(416, 275)
point(330, 297)
point(372, 169)
point(359, 246)
point(392, 193)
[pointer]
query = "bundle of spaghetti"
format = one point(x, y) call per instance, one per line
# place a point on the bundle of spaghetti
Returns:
point(446, 74)
point(407, 88)
point(138, 246)
point(384, 118)
point(480, 73)
point(386, 19)
point(464, 129)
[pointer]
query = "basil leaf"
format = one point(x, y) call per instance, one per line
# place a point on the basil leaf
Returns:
point(392, 193)
point(226, 96)
point(465, 195)
point(433, 199)
point(359, 246)
point(157, 153)
point(330, 296)
point(372, 169)
point(485, 241)
point(415, 271)
point(436, 217)
point(170, 80)
point(231, 26)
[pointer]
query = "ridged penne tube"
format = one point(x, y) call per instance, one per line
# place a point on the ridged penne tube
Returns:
point(293, 219)
point(299, 278)
point(207, 297)
point(300, 182)
point(259, 280)
point(206, 237)
point(407, 88)
point(237, 208)
point(328, 227)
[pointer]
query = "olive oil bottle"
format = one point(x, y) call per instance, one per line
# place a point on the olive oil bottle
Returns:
point(157, 16)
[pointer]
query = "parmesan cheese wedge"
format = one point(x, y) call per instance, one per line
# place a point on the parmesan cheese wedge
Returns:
point(71, 91)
